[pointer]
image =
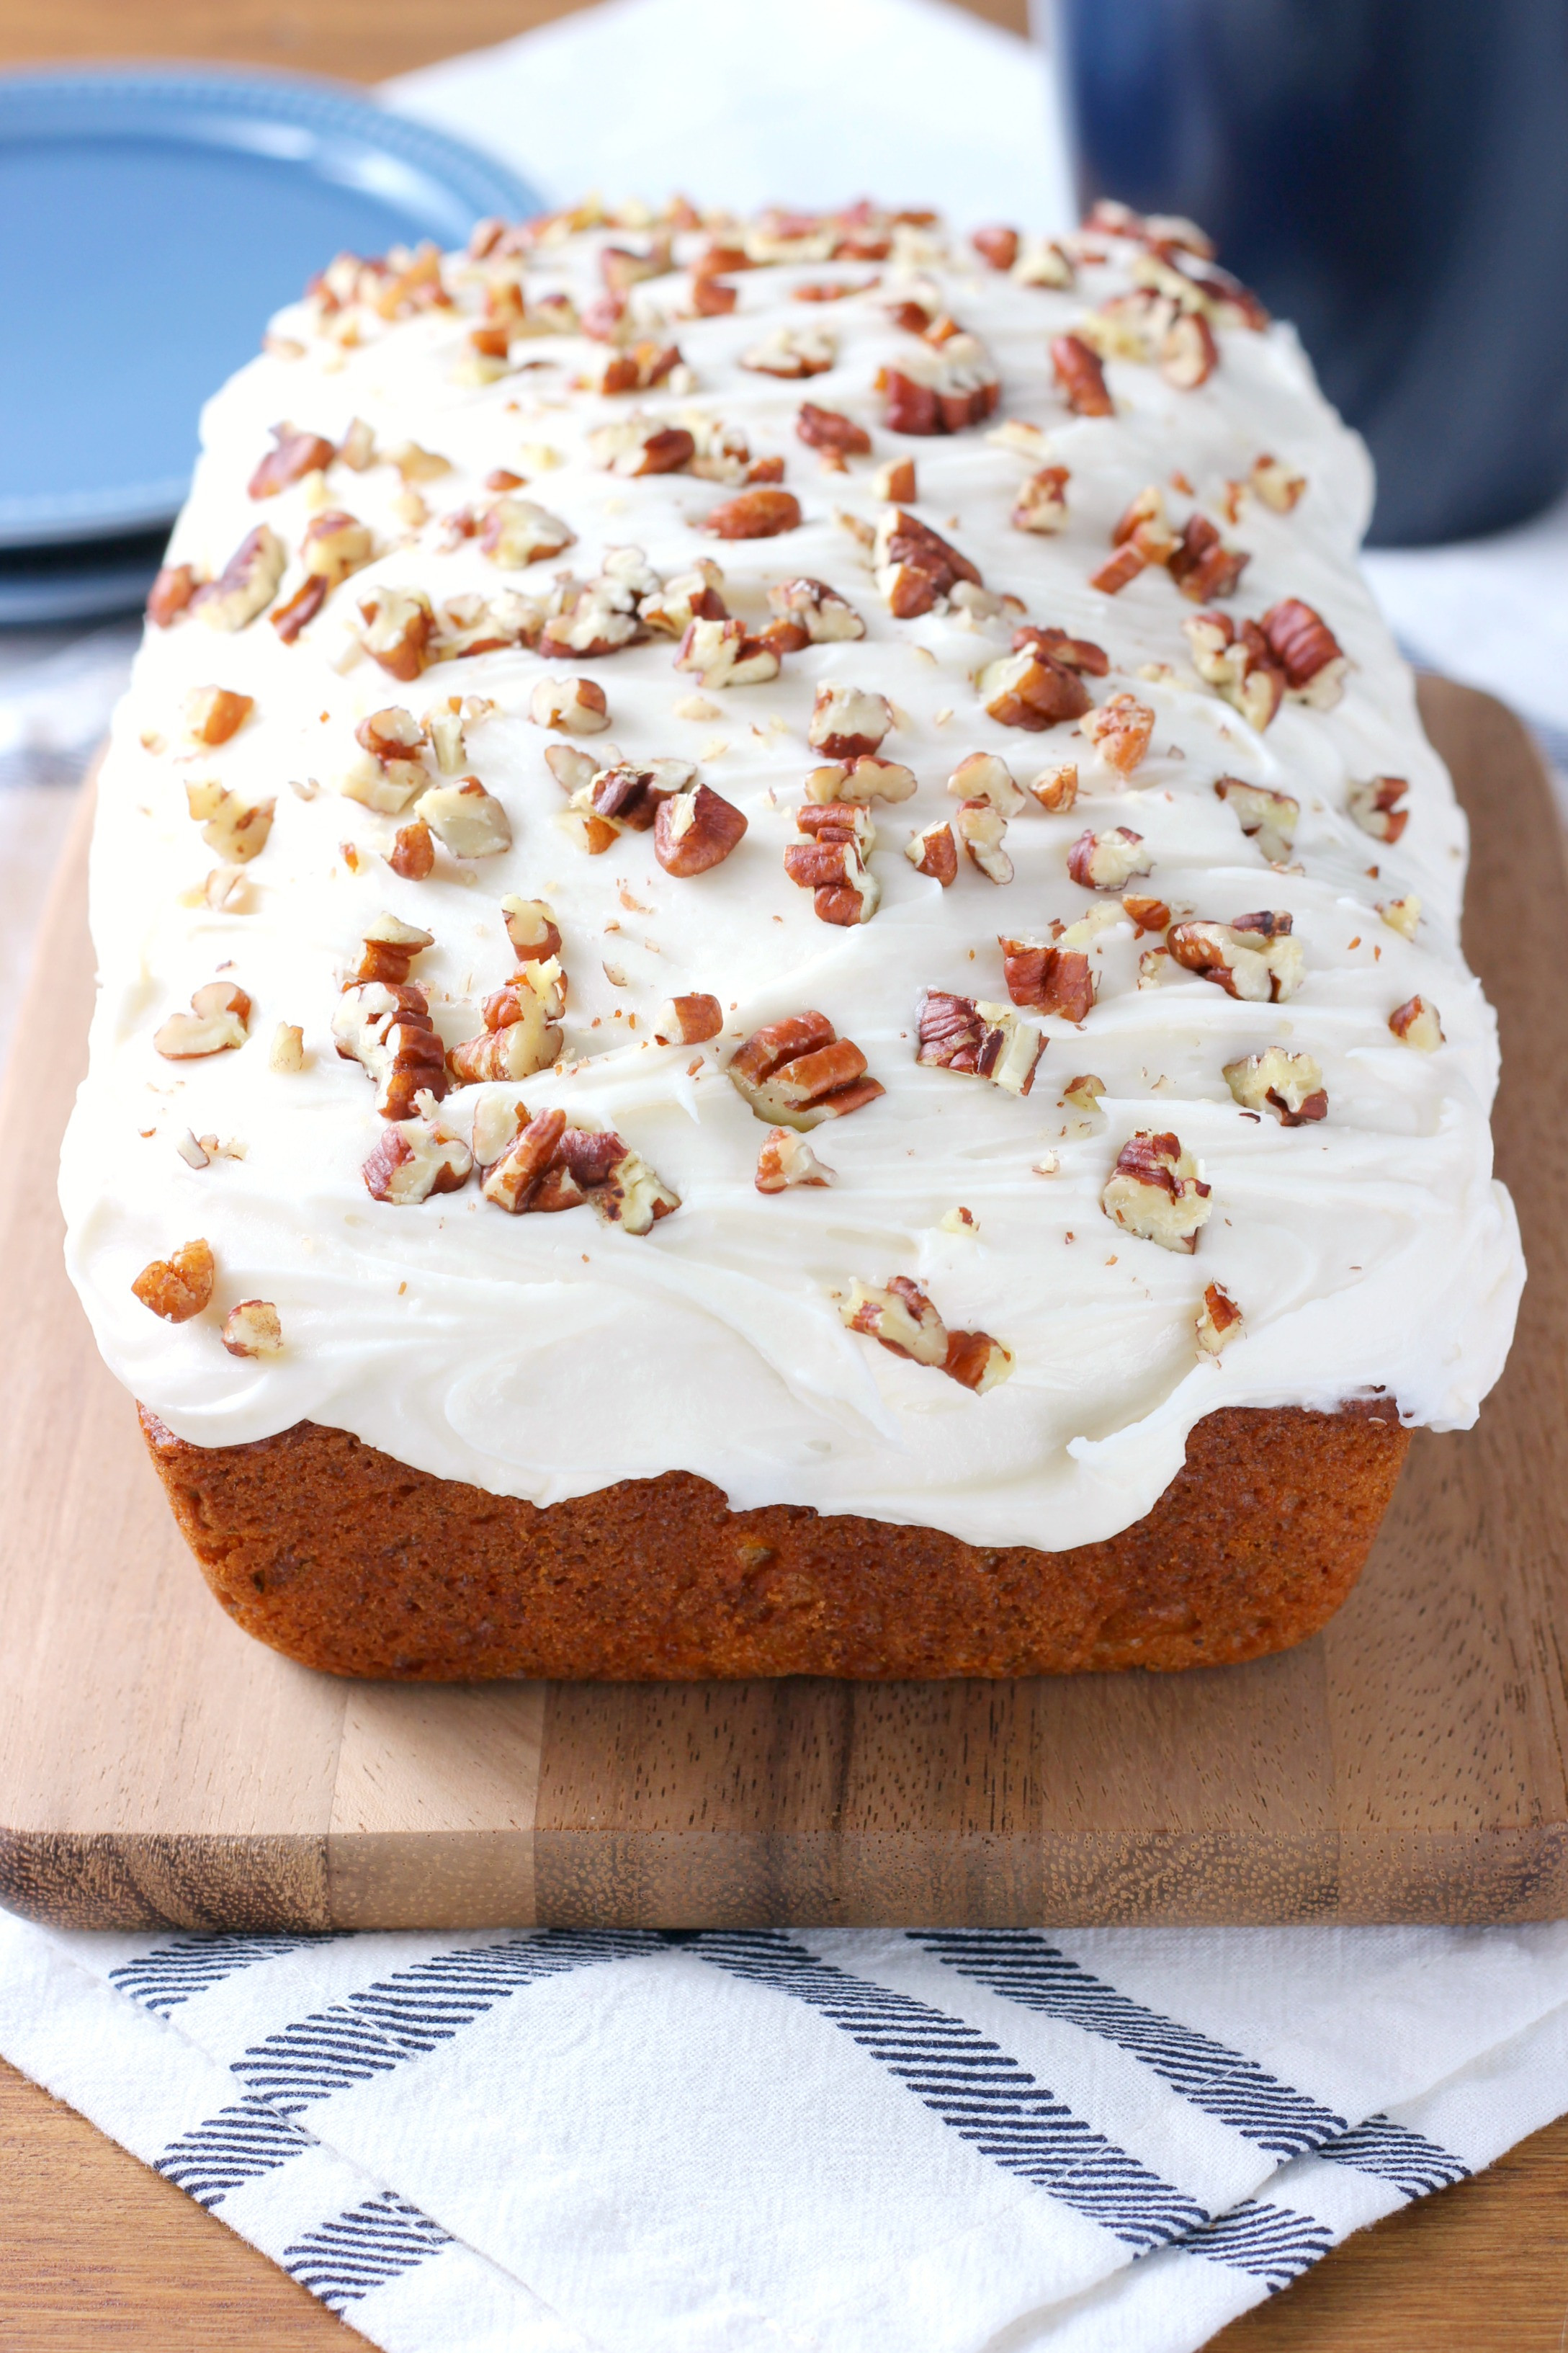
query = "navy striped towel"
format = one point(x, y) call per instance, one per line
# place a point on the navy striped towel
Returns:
point(795, 2141)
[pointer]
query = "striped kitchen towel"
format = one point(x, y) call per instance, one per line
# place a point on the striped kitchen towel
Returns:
point(837, 2141)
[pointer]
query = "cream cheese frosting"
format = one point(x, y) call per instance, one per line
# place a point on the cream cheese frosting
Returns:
point(1370, 1251)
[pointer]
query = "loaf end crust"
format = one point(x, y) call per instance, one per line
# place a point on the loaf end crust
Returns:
point(347, 1560)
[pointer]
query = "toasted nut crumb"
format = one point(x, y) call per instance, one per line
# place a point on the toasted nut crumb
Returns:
point(687, 1021)
point(252, 1329)
point(1415, 1023)
point(786, 1159)
point(1218, 1319)
point(177, 1287)
point(288, 1047)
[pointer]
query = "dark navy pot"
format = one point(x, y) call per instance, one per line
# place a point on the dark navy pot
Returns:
point(1392, 175)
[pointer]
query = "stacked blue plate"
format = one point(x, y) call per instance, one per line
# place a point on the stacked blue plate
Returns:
point(157, 218)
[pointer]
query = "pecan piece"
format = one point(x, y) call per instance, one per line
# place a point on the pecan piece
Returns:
point(1047, 979)
point(1238, 664)
point(1032, 690)
point(944, 389)
point(1375, 807)
point(1056, 789)
point(1080, 377)
point(412, 851)
point(984, 777)
point(846, 722)
point(1218, 1319)
point(797, 1072)
point(1201, 566)
point(979, 1039)
point(1289, 1085)
point(1155, 1192)
point(1415, 1023)
point(1188, 354)
point(390, 948)
point(1266, 816)
point(469, 821)
point(1254, 958)
point(982, 829)
point(513, 1177)
point(824, 428)
point(864, 779)
point(813, 613)
point(532, 929)
point(934, 853)
point(1042, 503)
point(253, 1329)
point(694, 830)
point(902, 1318)
point(1402, 915)
point(387, 1030)
point(1277, 484)
point(247, 583)
point(293, 457)
point(786, 1159)
point(237, 829)
point(514, 534)
point(1307, 650)
point(522, 1028)
point(754, 515)
point(213, 714)
point(219, 1021)
point(334, 545)
point(1119, 730)
point(398, 628)
point(997, 248)
point(1108, 861)
point(723, 653)
point(792, 353)
point(576, 705)
point(171, 591)
point(916, 570)
point(688, 1020)
point(179, 1286)
point(641, 445)
point(411, 1160)
point(288, 1052)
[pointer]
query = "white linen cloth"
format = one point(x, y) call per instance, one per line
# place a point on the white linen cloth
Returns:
point(840, 2141)
point(1086, 2142)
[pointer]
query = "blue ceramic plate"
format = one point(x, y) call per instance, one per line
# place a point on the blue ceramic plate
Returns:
point(153, 221)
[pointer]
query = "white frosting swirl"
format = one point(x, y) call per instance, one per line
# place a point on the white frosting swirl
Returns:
point(548, 1356)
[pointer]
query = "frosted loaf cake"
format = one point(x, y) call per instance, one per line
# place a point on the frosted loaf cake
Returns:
point(773, 927)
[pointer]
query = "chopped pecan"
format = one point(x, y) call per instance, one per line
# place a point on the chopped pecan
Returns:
point(390, 948)
point(633, 1196)
point(831, 862)
point(173, 589)
point(754, 515)
point(247, 583)
point(411, 1160)
point(1042, 503)
point(386, 1028)
point(514, 534)
point(1148, 914)
point(641, 445)
point(334, 545)
point(901, 1317)
point(917, 569)
point(468, 821)
point(1402, 915)
point(1415, 1023)
point(522, 1027)
point(1056, 789)
point(984, 777)
point(622, 268)
point(1277, 484)
point(1239, 664)
point(997, 248)
point(291, 616)
point(412, 851)
point(218, 1019)
point(398, 628)
point(689, 596)
point(792, 353)
point(509, 1181)
point(532, 929)
point(786, 1159)
point(1201, 566)
point(638, 369)
point(1289, 1085)
point(287, 1053)
point(810, 613)
point(1188, 354)
point(934, 853)
point(1119, 730)
point(864, 779)
point(1043, 262)
point(1032, 690)
point(1108, 861)
point(1047, 979)
point(576, 705)
point(1142, 525)
point(688, 1020)
point(1218, 1319)
point(797, 1072)
point(941, 390)
point(1156, 1193)
point(213, 714)
point(1254, 958)
point(694, 830)
point(979, 1039)
point(724, 653)
point(826, 428)
point(1119, 570)
point(1375, 807)
point(982, 829)
point(631, 794)
point(1054, 645)
point(1080, 377)
point(895, 481)
point(1266, 816)
point(710, 298)
point(848, 721)
point(237, 829)
point(1307, 650)
point(179, 1286)
point(293, 457)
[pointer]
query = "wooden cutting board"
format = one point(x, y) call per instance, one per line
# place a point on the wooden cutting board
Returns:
point(158, 1766)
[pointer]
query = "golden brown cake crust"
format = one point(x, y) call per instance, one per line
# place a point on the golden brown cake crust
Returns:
point(347, 1560)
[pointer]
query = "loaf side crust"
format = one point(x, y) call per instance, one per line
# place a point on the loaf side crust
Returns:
point(344, 1559)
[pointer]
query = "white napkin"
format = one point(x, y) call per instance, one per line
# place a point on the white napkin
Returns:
point(623, 2142)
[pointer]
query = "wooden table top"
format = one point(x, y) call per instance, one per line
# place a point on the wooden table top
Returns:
point(97, 2251)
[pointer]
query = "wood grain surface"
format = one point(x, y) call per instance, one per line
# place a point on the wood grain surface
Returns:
point(156, 1765)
